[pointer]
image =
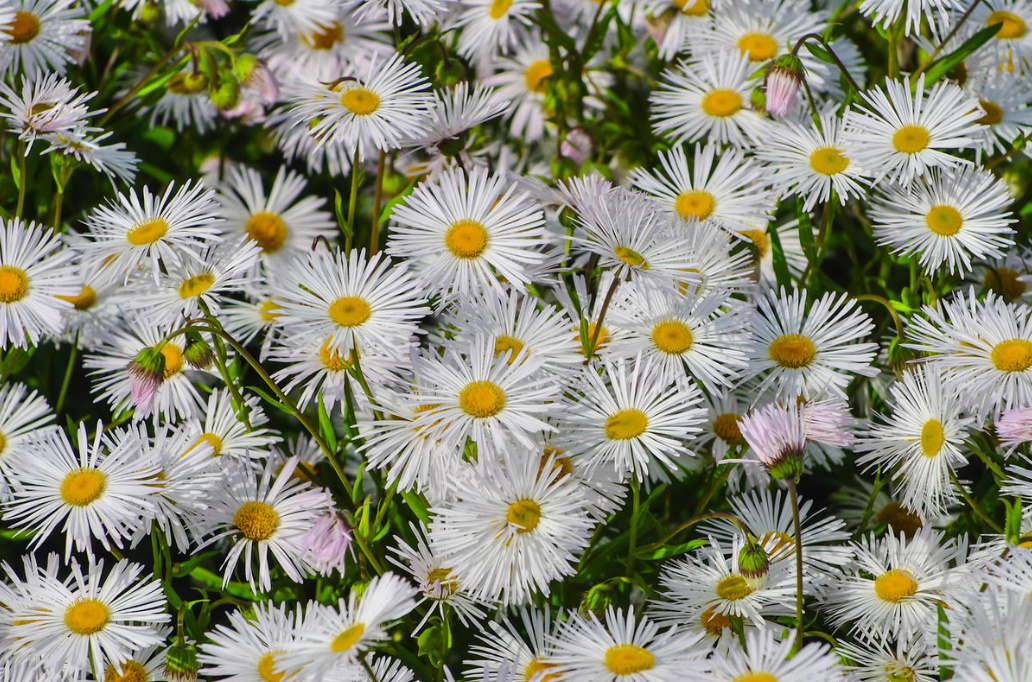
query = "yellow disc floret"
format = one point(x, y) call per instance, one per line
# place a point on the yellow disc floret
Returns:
point(792, 351)
point(721, 103)
point(525, 514)
point(828, 161)
point(83, 487)
point(360, 101)
point(256, 520)
point(466, 239)
point(694, 204)
point(911, 139)
point(932, 438)
point(626, 424)
point(14, 284)
point(482, 399)
point(350, 311)
point(944, 220)
point(87, 616)
point(758, 46)
point(895, 585)
point(672, 337)
point(1014, 355)
point(268, 230)
point(147, 232)
point(628, 659)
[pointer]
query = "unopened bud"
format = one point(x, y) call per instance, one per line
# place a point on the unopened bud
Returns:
point(782, 79)
point(788, 465)
point(596, 600)
point(150, 12)
point(181, 663)
point(198, 353)
point(449, 72)
point(227, 94)
point(146, 372)
point(753, 561)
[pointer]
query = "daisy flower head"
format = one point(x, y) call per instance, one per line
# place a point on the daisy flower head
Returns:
point(146, 232)
point(466, 232)
point(492, 27)
point(626, 649)
point(922, 440)
point(184, 104)
point(99, 490)
point(44, 35)
point(34, 273)
point(1006, 98)
point(899, 137)
point(985, 346)
point(331, 638)
point(1012, 428)
point(296, 17)
point(760, 30)
point(514, 527)
point(23, 418)
point(894, 590)
point(261, 517)
point(686, 334)
point(369, 305)
point(807, 353)
point(708, 97)
point(258, 315)
point(1012, 44)
point(454, 113)
point(522, 79)
point(503, 653)
point(88, 619)
point(423, 12)
point(881, 661)
point(283, 222)
point(766, 658)
point(84, 146)
point(227, 435)
point(887, 12)
point(718, 185)
point(475, 393)
point(243, 647)
point(812, 162)
point(631, 418)
point(376, 109)
point(672, 23)
point(46, 103)
point(947, 217)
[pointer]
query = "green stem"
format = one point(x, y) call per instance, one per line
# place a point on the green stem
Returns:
point(888, 306)
point(720, 474)
point(139, 84)
point(601, 319)
point(869, 509)
point(356, 170)
point(793, 496)
point(220, 362)
point(703, 517)
point(67, 376)
point(974, 507)
point(949, 36)
point(21, 178)
point(635, 510)
point(374, 236)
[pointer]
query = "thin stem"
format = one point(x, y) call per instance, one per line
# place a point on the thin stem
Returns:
point(374, 236)
point(793, 496)
point(356, 170)
point(974, 507)
point(220, 361)
point(67, 376)
point(720, 475)
point(842, 67)
point(888, 306)
point(704, 517)
point(21, 178)
point(368, 670)
point(58, 201)
point(139, 84)
point(635, 510)
point(949, 36)
point(601, 319)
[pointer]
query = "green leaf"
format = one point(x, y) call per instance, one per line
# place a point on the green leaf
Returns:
point(820, 53)
point(15, 171)
point(669, 551)
point(415, 503)
point(806, 239)
point(1012, 528)
point(326, 426)
point(432, 644)
point(338, 209)
point(778, 257)
point(388, 209)
point(942, 65)
point(597, 35)
point(271, 400)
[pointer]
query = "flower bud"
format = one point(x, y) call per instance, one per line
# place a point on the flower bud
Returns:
point(753, 561)
point(449, 72)
point(254, 75)
point(198, 353)
point(146, 373)
point(181, 662)
point(326, 543)
point(227, 94)
point(782, 79)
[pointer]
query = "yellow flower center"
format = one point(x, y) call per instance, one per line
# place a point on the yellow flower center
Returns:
point(443, 577)
point(626, 424)
point(508, 343)
point(721, 103)
point(755, 676)
point(692, 8)
point(900, 518)
point(1014, 355)
point(944, 220)
point(481, 399)
point(897, 672)
point(714, 622)
point(196, 285)
point(628, 659)
point(792, 351)
point(1013, 26)
point(3, 443)
point(895, 585)
point(24, 28)
point(211, 439)
point(778, 545)
point(83, 487)
point(694, 204)
point(87, 616)
point(130, 671)
point(563, 465)
point(360, 101)
point(726, 428)
point(733, 588)
point(466, 239)
point(266, 667)
point(332, 359)
point(539, 668)
point(758, 46)
point(267, 310)
point(672, 336)
point(84, 301)
point(256, 520)
point(14, 284)
point(759, 239)
point(1004, 281)
point(350, 311)
point(326, 38)
point(536, 74)
point(268, 230)
point(932, 438)
point(631, 257)
point(828, 161)
point(910, 139)
point(348, 638)
point(173, 360)
point(603, 337)
point(499, 8)
point(526, 514)
point(148, 232)
point(993, 113)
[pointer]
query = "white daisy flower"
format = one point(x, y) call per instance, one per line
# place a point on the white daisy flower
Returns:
point(462, 233)
point(492, 27)
point(257, 316)
point(625, 648)
point(369, 305)
point(880, 661)
point(227, 435)
point(295, 17)
point(99, 490)
point(146, 663)
point(887, 12)
point(757, 29)
point(721, 428)
point(502, 647)
point(300, 147)
point(763, 657)
point(708, 97)
point(947, 217)
point(45, 35)
point(34, 273)
point(708, 247)
point(423, 12)
point(1012, 43)
point(46, 103)
point(249, 649)
point(677, 21)
point(984, 346)
point(330, 638)
point(513, 529)
point(898, 591)
point(454, 113)
point(722, 186)
point(84, 146)
point(378, 108)
point(791, 248)
point(185, 104)
point(630, 418)
point(899, 136)
point(23, 419)
point(522, 79)
point(922, 440)
point(261, 517)
point(85, 620)
point(812, 162)
point(1006, 99)
point(168, 229)
point(283, 223)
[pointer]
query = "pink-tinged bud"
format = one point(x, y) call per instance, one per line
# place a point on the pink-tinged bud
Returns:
point(828, 422)
point(1015, 428)
point(146, 373)
point(254, 75)
point(782, 79)
point(327, 543)
point(578, 146)
point(216, 9)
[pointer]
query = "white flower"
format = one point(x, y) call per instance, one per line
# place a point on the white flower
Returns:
point(765, 658)
point(239, 650)
point(44, 35)
point(490, 27)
